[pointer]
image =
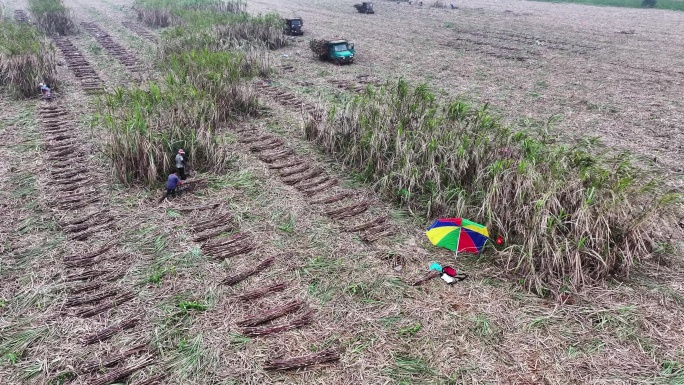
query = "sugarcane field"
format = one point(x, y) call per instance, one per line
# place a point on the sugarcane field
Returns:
point(215, 192)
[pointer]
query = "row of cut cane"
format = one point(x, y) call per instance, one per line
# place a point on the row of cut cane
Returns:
point(113, 48)
point(77, 189)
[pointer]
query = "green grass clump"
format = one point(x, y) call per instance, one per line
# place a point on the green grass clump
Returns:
point(569, 213)
point(190, 305)
point(189, 359)
point(14, 341)
point(52, 17)
point(410, 370)
point(26, 59)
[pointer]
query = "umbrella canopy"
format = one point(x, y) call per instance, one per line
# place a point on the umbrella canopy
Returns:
point(458, 234)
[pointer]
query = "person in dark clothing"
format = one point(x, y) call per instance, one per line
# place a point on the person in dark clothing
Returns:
point(172, 183)
point(180, 164)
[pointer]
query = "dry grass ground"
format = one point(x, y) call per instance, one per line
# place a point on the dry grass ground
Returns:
point(485, 330)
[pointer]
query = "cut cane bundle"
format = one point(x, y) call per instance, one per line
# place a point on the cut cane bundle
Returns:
point(122, 373)
point(271, 314)
point(95, 310)
point(107, 333)
point(348, 211)
point(235, 279)
point(333, 198)
point(266, 330)
point(262, 291)
point(327, 355)
point(368, 225)
point(113, 360)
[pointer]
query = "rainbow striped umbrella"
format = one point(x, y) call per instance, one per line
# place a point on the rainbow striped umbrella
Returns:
point(458, 234)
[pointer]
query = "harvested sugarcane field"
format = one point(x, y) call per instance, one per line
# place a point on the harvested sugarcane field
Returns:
point(341, 192)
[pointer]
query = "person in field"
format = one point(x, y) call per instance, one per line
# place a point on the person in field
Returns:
point(45, 90)
point(180, 164)
point(173, 182)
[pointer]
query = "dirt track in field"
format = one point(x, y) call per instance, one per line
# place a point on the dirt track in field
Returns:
point(607, 72)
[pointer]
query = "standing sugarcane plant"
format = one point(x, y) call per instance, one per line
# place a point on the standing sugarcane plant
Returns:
point(201, 89)
point(26, 59)
point(52, 17)
point(206, 59)
point(145, 126)
point(218, 32)
point(165, 13)
point(570, 213)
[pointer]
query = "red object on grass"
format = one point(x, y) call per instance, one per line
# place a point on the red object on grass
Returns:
point(499, 240)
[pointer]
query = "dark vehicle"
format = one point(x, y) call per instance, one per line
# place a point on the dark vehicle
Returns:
point(365, 7)
point(294, 26)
